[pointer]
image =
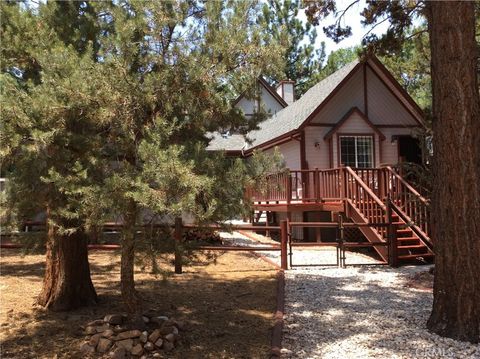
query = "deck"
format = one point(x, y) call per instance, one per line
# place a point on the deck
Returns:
point(366, 196)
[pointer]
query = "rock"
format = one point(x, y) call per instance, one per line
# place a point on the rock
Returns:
point(168, 346)
point(144, 337)
point(137, 350)
point(149, 346)
point(129, 334)
point(145, 319)
point(126, 343)
point(118, 353)
point(154, 336)
point(90, 330)
point(102, 328)
point(94, 339)
point(170, 337)
point(86, 348)
point(181, 325)
point(104, 345)
point(167, 329)
point(159, 343)
point(95, 323)
point(107, 333)
point(159, 320)
point(119, 329)
point(175, 330)
point(157, 355)
point(113, 319)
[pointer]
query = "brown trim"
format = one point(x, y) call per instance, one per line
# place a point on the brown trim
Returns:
point(347, 116)
point(365, 90)
point(330, 96)
point(303, 155)
point(321, 124)
point(395, 82)
point(397, 126)
point(274, 141)
point(355, 135)
point(285, 140)
point(272, 91)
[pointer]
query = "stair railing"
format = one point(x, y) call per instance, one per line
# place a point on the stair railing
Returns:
point(414, 207)
point(365, 200)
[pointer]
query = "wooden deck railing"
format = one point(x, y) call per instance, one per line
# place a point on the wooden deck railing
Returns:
point(415, 207)
point(366, 188)
point(364, 198)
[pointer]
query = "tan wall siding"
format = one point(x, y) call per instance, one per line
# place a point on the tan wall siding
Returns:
point(389, 149)
point(350, 95)
point(383, 107)
point(269, 103)
point(290, 152)
point(355, 125)
point(317, 157)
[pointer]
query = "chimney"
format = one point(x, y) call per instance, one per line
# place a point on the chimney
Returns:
point(286, 90)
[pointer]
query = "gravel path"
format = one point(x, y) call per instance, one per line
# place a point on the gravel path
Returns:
point(361, 313)
point(356, 312)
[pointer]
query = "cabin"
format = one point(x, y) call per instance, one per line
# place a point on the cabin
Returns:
point(341, 142)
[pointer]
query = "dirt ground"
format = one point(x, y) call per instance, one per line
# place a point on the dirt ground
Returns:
point(228, 305)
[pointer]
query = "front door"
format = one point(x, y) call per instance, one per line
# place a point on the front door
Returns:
point(409, 150)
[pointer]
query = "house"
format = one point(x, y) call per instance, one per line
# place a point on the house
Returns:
point(340, 141)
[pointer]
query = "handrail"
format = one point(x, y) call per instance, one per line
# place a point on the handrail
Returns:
point(366, 188)
point(407, 185)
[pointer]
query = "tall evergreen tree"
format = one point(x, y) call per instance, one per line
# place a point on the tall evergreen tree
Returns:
point(49, 141)
point(303, 59)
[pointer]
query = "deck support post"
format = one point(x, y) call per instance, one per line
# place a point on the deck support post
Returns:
point(283, 244)
point(392, 236)
point(178, 241)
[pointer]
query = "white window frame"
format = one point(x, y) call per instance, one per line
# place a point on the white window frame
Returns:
point(356, 137)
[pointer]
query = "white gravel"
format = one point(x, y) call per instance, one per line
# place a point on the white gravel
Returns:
point(356, 312)
point(361, 313)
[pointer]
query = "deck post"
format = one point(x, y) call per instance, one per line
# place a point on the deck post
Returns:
point(178, 240)
point(283, 244)
point(316, 184)
point(391, 236)
point(289, 187)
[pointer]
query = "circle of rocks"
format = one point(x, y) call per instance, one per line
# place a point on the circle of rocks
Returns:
point(111, 336)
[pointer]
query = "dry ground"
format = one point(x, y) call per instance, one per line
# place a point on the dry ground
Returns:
point(228, 306)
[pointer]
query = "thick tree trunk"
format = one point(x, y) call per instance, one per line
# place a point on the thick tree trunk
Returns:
point(456, 166)
point(127, 280)
point(67, 284)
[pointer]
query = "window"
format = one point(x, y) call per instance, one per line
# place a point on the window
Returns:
point(356, 151)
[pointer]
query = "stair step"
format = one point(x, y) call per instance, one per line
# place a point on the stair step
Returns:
point(404, 231)
point(415, 256)
point(412, 246)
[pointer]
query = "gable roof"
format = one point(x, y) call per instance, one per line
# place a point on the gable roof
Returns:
point(293, 116)
point(347, 116)
point(269, 89)
point(298, 114)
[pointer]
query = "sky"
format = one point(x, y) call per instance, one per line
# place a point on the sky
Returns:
point(353, 19)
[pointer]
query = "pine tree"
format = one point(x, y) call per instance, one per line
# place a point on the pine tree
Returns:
point(49, 142)
point(303, 60)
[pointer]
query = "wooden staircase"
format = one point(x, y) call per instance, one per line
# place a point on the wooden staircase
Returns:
point(407, 211)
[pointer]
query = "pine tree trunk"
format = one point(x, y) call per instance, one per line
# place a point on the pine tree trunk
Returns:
point(67, 284)
point(127, 281)
point(456, 166)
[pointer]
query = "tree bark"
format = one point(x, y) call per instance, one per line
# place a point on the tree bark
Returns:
point(67, 283)
point(127, 280)
point(456, 168)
